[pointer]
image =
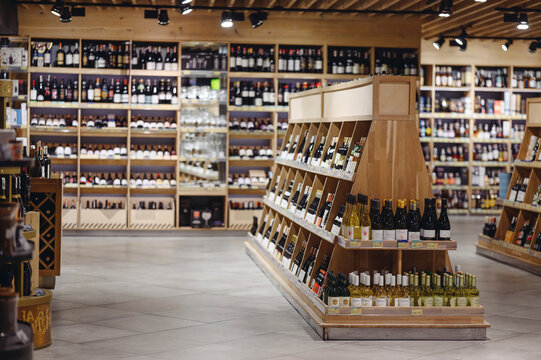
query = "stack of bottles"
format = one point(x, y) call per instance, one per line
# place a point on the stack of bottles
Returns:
point(250, 152)
point(105, 55)
point(300, 59)
point(457, 77)
point(251, 124)
point(107, 204)
point(150, 180)
point(96, 91)
point(51, 90)
point(154, 58)
point(151, 205)
point(99, 122)
point(153, 152)
point(460, 105)
point(526, 234)
point(105, 179)
point(153, 123)
point(450, 153)
point(143, 92)
point(285, 90)
point(245, 205)
point(490, 226)
point(53, 120)
point(100, 151)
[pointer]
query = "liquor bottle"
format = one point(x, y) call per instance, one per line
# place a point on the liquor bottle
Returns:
point(380, 298)
point(340, 161)
point(60, 56)
point(414, 233)
point(319, 278)
point(473, 298)
point(316, 159)
point(308, 153)
point(337, 222)
point(375, 220)
point(514, 190)
point(388, 221)
point(287, 194)
point(400, 223)
point(311, 212)
point(356, 292)
point(461, 295)
point(295, 268)
point(525, 235)
point(323, 215)
point(428, 222)
point(509, 233)
point(259, 235)
point(327, 159)
point(272, 243)
point(45, 164)
point(404, 299)
point(288, 252)
point(295, 198)
point(522, 191)
point(302, 203)
point(267, 235)
point(443, 228)
point(428, 293)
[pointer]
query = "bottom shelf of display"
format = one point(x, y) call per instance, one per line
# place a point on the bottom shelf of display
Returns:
point(518, 256)
point(389, 323)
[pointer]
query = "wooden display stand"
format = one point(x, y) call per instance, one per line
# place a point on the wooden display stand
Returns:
point(382, 109)
point(508, 251)
point(103, 219)
point(159, 219)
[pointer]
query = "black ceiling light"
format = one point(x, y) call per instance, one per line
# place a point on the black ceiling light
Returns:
point(227, 19)
point(522, 22)
point(257, 18)
point(66, 15)
point(461, 39)
point(446, 8)
point(439, 43)
point(57, 8)
point(507, 44)
point(185, 9)
point(184, 2)
point(163, 17)
point(533, 47)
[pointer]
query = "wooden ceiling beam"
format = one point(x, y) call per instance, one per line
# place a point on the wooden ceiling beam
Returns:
point(211, 3)
point(386, 5)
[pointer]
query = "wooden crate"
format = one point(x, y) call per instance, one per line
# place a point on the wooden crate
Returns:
point(102, 218)
point(153, 219)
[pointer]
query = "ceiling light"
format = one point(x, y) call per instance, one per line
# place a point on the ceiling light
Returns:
point(257, 19)
point(522, 23)
point(227, 19)
point(439, 43)
point(481, 1)
point(163, 17)
point(533, 47)
point(57, 8)
point(461, 39)
point(183, 2)
point(66, 15)
point(185, 9)
point(446, 8)
point(507, 44)
point(463, 46)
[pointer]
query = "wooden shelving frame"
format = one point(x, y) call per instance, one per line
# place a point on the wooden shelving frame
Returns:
point(509, 252)
point(275, 113)
point(380, 108)
point(471, 92)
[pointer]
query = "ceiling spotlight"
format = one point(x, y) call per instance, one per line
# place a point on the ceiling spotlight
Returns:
point(439, 43)
point(163, 17)
point(185, 9)
point(57, 8)
point(481, 1)
point(461, 39)
point(533, 47)
point(66, 15)
point(446, 8)
point(522, 23)
point(463, 46)
point(257, 19)
point(184, 2)
point(227, 19)
point(507, 44)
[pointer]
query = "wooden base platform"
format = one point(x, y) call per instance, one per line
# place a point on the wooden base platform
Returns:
point(412, 323)
point(518, 256)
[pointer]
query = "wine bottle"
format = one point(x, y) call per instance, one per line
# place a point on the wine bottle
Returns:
point(375, 220)
point(298, 259)
point(287, 194)
point(308, 153)
point(259, 235)
point(266, 238)
point(428, 230)
point(365, 218)
point(337, 222)
point(443, 226)
point(272, 244)
point(388, 221)
point(414, 233)
point(327, 159)
point(400, 224)
point(302, 203)
point(295, 198)
point(316, 159)
point(288, 252)
point(312, 209)
point(323, 216)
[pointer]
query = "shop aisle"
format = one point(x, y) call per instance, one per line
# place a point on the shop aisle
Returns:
point(199, 296)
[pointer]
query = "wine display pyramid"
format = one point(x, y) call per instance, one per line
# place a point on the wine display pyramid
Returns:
point(510, 245)
point(380, 109)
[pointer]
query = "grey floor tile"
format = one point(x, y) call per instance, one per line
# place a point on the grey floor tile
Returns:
point(146, 323)
point(83, 333)
point(215, 351)
point(91, 314)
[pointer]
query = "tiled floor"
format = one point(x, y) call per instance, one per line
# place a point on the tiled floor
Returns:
point(199, 296)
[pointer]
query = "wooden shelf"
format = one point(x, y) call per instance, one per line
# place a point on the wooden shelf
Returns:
point(449, 163)
point(162, 73)
point(104, 162)
point(341, 175)
point(446, 140)
point(140, 133)
point(251, 108)
point(53, 104)
point(491, 163)
point(159, 107)
point(53, 131)
point(153, 162)
point(394, 245)
point(108, 106)
point(246, 191)
point(203, 73)
point(312, 76)
point(449, 187)
point(251, 163)
point(153, 191)
point(251, 75)
point(449, 88)
point(63, 161)
point(515, 255)
point(210, 130)
point(103, 190)
point(196, 102)
point(101, 72)
point(486, 89)
point(201, 192)
point(251, 134)
point(104, 132)
point(53, 70)
point(535, 91)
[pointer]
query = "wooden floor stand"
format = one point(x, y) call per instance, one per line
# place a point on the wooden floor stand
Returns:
point(510, 254)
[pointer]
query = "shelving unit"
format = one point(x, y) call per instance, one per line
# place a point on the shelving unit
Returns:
point(505, 246)
point(380, 108)
point(78, 108)
point(428, 89)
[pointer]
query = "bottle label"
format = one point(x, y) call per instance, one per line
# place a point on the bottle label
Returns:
point(271, 247)
point(301, 275)
point(356, 302)
point(294, 269)
point(452, 301)
point(377, 235)
point(404, 302)
point(365, 232)
point(366, 301)
point(461, 301)
point(380, 301)
point(284, 203)
point(445, 234)
point(351, 232)
point(344, 300)
point(401, 234)
point(335, 229)
point(414, 236)
point(520, 196)
point(421, 301)
point(389, 235)
point(438, 301)
point(333, 301)
point(429, 234)
point(474, 301)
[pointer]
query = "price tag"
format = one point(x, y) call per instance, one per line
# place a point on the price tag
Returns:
point(356, 311)
point(333, 310)
point(403, 244)
point(416, 244)
point(354, 243)
point(432, 245)
point(416, 312)
point(377, 244)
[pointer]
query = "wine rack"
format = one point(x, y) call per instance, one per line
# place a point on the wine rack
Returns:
point(513, 243)
point(391, 166)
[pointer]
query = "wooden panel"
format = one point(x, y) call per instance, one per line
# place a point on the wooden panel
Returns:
point(32, 219)
point(352, 102)
point(305, 107)
point(534, 111)
point(394, 99)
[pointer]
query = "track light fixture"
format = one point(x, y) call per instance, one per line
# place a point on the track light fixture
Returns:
point(463, 46)
point(533, 47)
point(507, 44)
point(522, 23)
point(185, 9)
point(184, 2)
point(461, 39)
point(227, 19)
point(439, 43)
point(481, 1)
point(163, 17)
point(57, 8)
point(65, 17)
point(446, 8)
point(257, 18)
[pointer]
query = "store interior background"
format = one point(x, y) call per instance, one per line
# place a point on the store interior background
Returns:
point(195, 294)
